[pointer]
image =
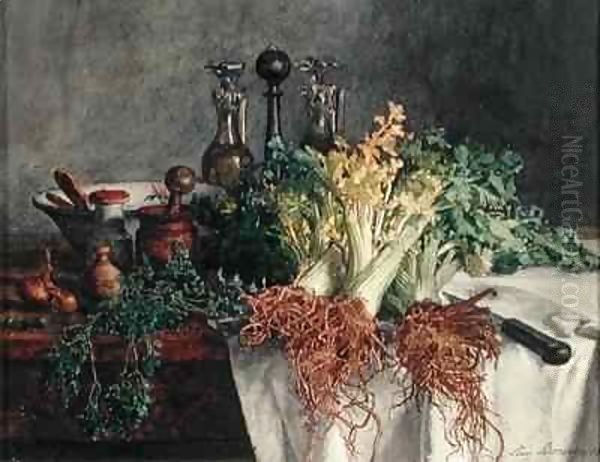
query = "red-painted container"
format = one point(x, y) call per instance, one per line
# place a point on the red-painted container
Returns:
point(163, 226)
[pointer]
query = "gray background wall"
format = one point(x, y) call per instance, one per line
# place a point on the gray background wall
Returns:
point(115, 90)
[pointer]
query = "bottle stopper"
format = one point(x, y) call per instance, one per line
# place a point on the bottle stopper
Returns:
point(274, 66)
point(228, 72)
point(317, 68)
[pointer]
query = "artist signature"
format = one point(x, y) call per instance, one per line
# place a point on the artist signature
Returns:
point(549, 450)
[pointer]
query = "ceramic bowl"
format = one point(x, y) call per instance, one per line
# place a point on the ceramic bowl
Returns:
point(77, 225)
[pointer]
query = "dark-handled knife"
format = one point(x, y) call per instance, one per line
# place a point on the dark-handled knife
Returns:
point(551, 350)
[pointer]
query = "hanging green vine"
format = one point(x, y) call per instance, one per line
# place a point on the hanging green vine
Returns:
point(151, 300)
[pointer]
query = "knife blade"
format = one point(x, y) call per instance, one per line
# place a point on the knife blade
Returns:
point(551, 350)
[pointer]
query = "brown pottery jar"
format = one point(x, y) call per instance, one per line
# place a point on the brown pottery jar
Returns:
point(103, 279)
point(162, 226)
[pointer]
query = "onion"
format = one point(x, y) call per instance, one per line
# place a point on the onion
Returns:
point(34, 290)
point(63, 300)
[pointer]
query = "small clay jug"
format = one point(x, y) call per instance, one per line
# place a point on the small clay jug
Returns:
point(103, 279)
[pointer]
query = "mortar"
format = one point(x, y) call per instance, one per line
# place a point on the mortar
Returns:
point(76, 225)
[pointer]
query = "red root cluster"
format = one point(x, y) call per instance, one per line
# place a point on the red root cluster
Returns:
point(333, 346)
point(441, 349)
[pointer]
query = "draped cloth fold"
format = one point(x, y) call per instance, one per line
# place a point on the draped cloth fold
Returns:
point(546, 413)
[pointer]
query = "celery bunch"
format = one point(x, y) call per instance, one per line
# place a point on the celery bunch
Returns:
point(481, 226)
point(351, 236)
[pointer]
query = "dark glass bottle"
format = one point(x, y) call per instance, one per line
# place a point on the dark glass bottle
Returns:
point(227, 155)
point(274, 66)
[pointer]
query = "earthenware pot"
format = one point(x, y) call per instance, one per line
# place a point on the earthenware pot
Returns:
point(103, 279)
point(162, 227)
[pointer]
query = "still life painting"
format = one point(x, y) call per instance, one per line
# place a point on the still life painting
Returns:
point(279, 231)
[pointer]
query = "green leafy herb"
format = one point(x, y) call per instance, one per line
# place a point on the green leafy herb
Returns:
point(481, 217)
point(249, 238)
point(152, 300)
point(481, 211)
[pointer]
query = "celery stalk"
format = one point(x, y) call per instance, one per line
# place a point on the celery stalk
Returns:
point(323, 277)
point(424, 271)
point(360, 239)
point(372, 282)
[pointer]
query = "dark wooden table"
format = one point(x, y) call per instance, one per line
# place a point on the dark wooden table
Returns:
point(196, 412)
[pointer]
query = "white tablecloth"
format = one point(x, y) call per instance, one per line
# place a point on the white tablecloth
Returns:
point(546, 413)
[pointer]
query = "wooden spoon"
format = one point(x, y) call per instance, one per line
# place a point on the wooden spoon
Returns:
point(58, 200)
point(69, 185)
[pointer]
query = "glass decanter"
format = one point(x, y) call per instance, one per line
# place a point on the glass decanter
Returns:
point(227, 155)
point(325, 104)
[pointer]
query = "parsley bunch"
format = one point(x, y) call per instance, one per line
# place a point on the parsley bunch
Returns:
point(249, 237)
